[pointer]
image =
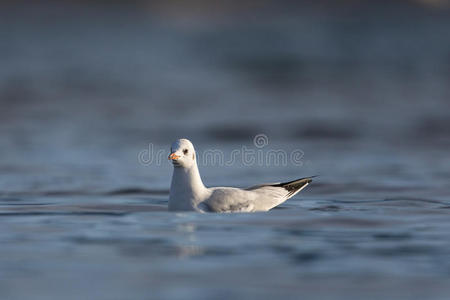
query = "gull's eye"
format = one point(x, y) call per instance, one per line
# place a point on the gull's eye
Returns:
point(185, 151)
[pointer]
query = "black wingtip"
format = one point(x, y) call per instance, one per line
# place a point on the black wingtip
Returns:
point(295, 185)
point(311, 177)
point(300, 181)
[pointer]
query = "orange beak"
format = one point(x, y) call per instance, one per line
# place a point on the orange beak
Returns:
point(173, 156)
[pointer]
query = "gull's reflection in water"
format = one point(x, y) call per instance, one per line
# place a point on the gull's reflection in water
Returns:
point(189, 247)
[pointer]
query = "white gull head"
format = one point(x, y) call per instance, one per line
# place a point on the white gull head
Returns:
point(182, 154)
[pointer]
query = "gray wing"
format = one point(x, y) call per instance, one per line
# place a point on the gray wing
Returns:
point(229, 200)
point(273, 194)
point(257, 198)
point(289, 189)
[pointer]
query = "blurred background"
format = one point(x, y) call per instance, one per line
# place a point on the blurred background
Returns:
point(86, 85)
point(361, 87)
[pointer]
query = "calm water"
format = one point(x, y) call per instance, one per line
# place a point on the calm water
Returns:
point(364, 99)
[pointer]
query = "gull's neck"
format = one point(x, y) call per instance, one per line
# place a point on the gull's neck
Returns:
point(187, 189)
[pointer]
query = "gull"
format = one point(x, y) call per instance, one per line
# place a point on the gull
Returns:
point(188, 193)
